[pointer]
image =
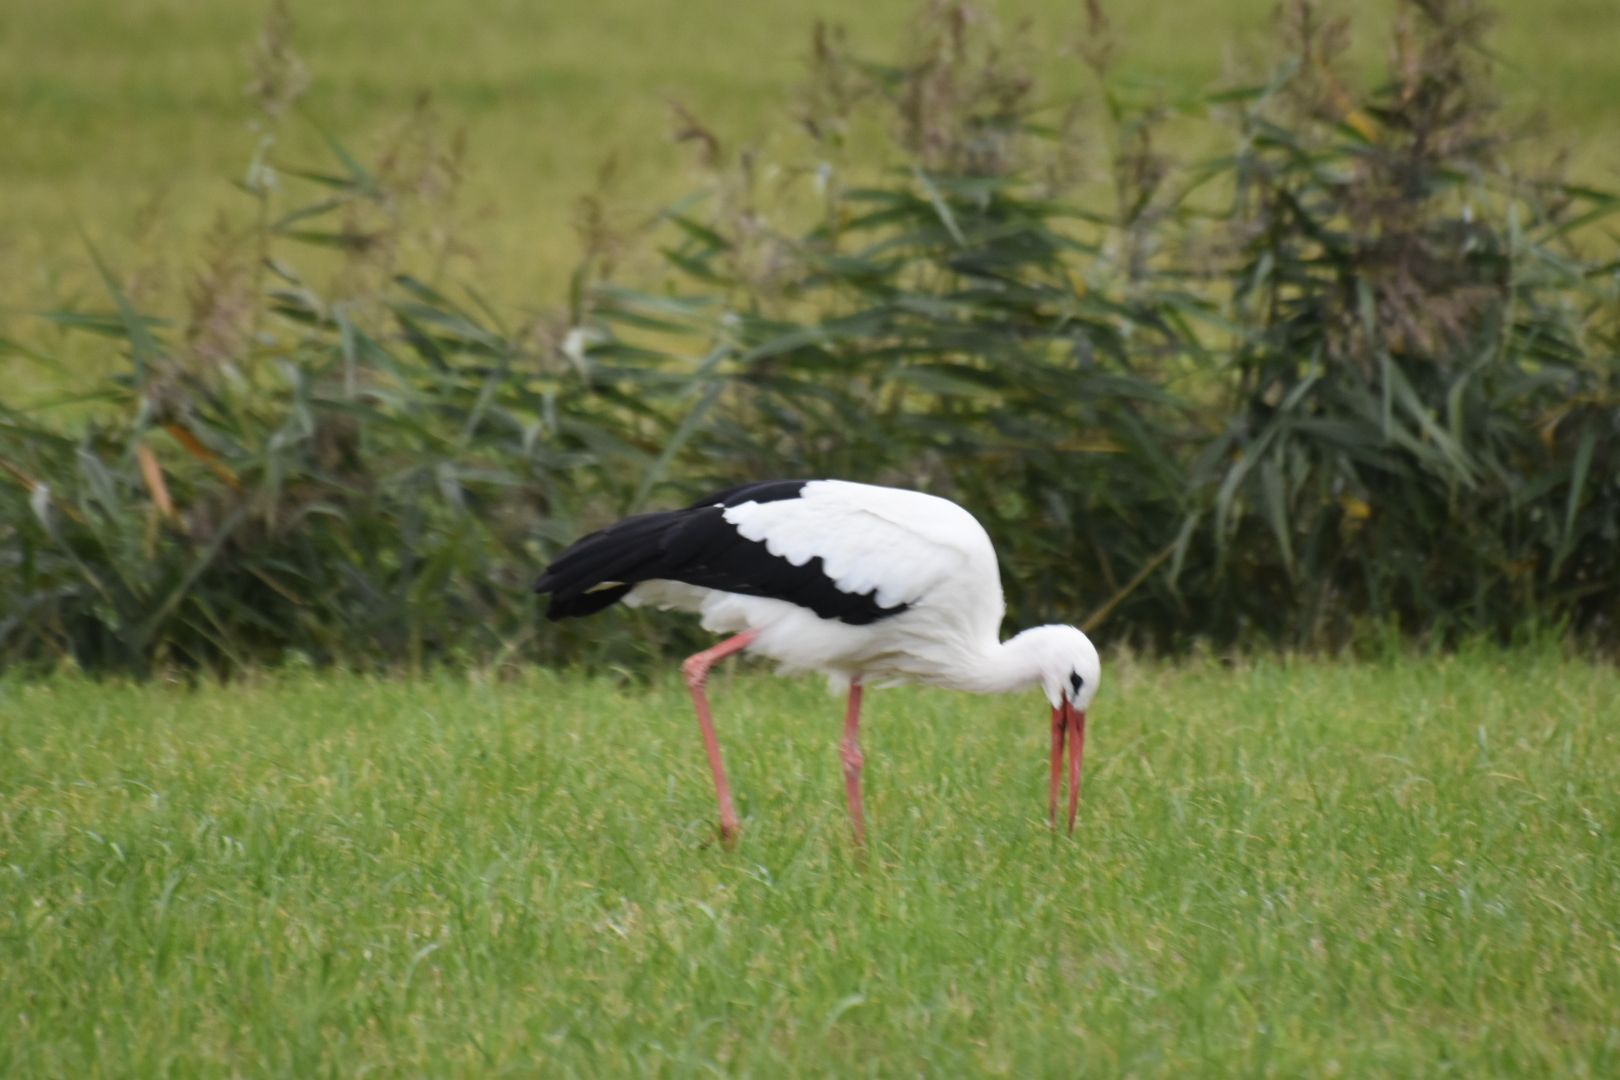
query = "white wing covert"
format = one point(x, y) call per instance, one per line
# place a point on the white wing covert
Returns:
point(901, 546)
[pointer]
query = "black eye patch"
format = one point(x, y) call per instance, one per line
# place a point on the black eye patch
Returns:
point(1076, 682)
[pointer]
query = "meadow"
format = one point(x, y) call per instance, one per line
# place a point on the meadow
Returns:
point(130, 121)
point(1399, 867)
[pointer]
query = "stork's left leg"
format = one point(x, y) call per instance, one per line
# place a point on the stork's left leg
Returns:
point(696, 669)
point(851, 754)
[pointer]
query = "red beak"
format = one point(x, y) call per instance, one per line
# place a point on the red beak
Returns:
point(1067, 720)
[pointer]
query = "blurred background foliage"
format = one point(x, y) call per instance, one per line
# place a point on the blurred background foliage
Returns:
point(1349, 371)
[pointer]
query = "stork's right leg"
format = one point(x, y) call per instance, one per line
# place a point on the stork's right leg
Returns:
point(696, 669)
point(851, 755)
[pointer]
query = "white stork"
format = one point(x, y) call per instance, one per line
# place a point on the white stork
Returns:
point(864, 584)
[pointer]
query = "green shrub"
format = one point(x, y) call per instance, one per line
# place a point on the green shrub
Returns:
point(1420, 423)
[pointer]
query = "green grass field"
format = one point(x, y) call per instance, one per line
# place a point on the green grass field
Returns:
point(129, 119)
point(1284, 867)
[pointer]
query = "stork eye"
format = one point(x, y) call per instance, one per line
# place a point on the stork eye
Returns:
point(1076, 682)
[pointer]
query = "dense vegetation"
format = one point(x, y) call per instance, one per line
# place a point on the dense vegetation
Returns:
point(1349, 372)
point(1283, 867)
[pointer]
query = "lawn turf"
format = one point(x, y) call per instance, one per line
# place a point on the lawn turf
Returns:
point(1282, 867)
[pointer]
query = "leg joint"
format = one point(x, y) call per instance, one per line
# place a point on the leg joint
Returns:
point(696, 669)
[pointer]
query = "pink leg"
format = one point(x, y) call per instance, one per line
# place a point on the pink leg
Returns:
point(696, 669)
point(851, 754)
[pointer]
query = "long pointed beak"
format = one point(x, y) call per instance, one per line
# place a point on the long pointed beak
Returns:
point(1068, 725)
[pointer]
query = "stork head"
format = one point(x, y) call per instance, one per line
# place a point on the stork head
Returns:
point(1069, 665)
point(1069, 670)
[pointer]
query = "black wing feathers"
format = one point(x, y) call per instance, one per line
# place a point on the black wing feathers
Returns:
point(615, 555)
point(697, 546)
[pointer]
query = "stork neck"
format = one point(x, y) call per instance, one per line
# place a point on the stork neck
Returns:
point(1014, 664)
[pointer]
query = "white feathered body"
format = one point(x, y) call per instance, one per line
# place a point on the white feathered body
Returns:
point(907, 547)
